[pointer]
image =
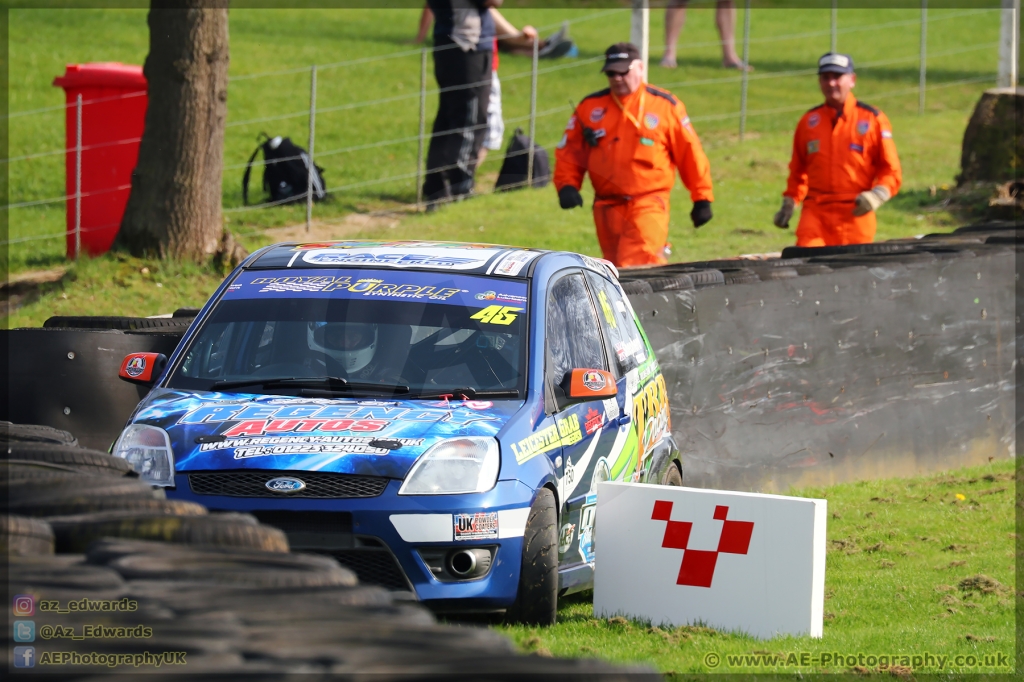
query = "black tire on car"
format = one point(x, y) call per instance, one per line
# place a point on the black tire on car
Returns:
point(537, 599)
point(84, 459)
point(24, 536)
point(672, 475)
point(34, 433)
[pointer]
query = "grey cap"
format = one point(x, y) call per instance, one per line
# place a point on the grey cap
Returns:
point(833, 62)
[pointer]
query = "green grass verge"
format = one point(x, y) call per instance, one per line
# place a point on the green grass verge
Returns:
point(915, 566)
point(749, 177)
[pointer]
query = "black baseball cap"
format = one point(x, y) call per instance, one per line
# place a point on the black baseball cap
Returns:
point(833, 62)
point(619, 56)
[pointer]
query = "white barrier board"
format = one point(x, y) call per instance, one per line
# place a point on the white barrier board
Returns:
point(734, 561)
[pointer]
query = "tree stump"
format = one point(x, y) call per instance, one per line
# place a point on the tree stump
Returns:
point(993, 148)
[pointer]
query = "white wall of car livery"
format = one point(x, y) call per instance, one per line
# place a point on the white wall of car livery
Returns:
point(545, 440)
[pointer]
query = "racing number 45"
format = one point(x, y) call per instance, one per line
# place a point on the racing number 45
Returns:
point(497, 314)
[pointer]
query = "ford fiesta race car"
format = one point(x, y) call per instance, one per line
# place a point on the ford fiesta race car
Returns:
point(435, 416)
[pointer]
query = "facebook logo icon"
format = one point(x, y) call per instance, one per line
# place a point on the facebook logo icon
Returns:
point(24, 657)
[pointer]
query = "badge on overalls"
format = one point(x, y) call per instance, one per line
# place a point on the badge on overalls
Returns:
point(646, 141)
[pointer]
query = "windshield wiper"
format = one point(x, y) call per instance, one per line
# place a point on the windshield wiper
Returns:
point(325, 384)
point(278, 381)
point(470, 393)
point(314, 388)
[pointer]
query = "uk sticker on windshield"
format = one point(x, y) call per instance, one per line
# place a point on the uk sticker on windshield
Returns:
point(478, 526)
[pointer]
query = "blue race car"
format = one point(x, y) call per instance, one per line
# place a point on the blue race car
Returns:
point(435, 416)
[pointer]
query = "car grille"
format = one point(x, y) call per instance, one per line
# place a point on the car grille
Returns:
point(253, 484)
point(373, 566)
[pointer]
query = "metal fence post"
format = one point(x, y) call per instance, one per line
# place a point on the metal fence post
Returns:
point(745, 76)
point(924, 57)
point(835, 26)
point(423, 123)
point(312, 140)
point(639, 31)
point(533, 114)
point(78, 176)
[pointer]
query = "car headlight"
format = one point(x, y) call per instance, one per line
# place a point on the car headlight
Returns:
point(455, 465)
point(148, 450)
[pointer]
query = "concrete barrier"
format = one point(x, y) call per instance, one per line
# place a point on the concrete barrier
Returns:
point(885, 369)
point(67, 378)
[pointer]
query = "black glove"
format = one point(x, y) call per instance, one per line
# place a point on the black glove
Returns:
point(569, 197)
point(701, 213)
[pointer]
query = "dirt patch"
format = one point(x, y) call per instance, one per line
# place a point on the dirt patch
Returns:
point(349, 226)
point(982, 584)
point(23, 288)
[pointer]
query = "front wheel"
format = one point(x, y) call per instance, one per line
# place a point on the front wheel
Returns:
point(537, 599)
point(672, 475)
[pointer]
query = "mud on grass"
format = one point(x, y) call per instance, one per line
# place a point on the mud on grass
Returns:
point(913, 566)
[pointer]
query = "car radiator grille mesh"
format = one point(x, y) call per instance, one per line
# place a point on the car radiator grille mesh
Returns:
point(373, 567)
point(254, 484)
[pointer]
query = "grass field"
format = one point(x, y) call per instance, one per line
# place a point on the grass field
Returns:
point(914, 566)
point(373, 102)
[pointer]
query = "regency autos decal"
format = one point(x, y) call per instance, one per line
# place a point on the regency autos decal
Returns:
point(341, 435)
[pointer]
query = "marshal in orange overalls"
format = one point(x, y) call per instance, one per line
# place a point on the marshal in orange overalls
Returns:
point(632, 167)
point(835, 158)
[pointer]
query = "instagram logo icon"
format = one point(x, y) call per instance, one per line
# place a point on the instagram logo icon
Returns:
point(24, 605)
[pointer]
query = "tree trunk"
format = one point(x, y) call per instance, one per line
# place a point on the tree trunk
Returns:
point(174, 210)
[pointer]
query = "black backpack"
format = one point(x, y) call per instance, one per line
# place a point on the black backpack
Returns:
point(517, 160)
point(285, 172)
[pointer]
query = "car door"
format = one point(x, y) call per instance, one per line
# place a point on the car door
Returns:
point(587, 430)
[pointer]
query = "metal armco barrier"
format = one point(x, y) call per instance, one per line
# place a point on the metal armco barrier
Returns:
point(865, 372)
point(67, 378)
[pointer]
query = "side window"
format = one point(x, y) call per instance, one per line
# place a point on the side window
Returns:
point(618, 324)
point(573, 340)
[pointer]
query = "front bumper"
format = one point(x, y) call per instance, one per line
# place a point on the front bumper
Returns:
point(381, 538)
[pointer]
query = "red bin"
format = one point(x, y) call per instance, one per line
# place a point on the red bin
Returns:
point(113, 117)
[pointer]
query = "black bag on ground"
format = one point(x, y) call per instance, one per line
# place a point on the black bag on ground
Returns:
point(285, 172)
point(517, 159)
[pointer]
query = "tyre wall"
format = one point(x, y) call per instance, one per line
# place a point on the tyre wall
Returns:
point(868, 371)
point(67, 378)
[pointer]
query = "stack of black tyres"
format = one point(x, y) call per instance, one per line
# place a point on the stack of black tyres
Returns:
point(800, 261)
point(221, 589)
point(178, 322)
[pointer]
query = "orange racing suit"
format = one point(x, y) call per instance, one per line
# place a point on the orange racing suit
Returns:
point(835, 158)
point(632, 168)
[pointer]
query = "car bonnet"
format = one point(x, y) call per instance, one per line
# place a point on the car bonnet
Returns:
point(212, 431)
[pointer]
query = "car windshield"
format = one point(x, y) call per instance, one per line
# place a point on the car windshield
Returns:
point(362, 332)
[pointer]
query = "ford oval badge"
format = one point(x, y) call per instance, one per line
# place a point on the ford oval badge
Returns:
point(285, 485)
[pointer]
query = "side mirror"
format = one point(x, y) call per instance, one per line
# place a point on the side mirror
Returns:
point(142, 368)
point(581, 385)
